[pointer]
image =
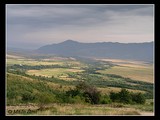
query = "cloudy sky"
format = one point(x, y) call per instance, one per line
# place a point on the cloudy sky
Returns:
point(32, 26)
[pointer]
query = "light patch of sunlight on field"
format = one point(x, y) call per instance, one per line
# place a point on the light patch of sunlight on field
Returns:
point(31, 62)
point(60, 87)
point(61, 73)
point(123, 61)
point(107, 90)
point(13, 56)
point(136, 73)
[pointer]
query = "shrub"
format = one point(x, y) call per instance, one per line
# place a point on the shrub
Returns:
point(27, 97)
point(114, 96)
point(78, 99)
point(125, 96)
point(105, 99)
point(63, 97)
point(73, 93)
point(138, 98)
point(84, 91)
point(45, 98)
point(81, 86)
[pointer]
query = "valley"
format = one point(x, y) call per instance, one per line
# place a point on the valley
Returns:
point(31, 79)
point(79, 60)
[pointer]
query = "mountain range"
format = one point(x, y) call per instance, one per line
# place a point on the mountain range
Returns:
point(114, 50)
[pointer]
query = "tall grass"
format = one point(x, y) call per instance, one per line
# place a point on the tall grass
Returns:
point(82, 109)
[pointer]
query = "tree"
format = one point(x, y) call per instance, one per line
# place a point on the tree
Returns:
point(92, 94)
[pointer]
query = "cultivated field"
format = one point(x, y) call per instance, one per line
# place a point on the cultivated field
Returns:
point(135, 70)
point(56, 72)
point(136, 73)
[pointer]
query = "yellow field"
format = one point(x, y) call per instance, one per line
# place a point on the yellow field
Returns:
point(107, 90)
point(142, 74)
point(13, 56)
point(119, 61)
point(56, 72)
point(31, 62)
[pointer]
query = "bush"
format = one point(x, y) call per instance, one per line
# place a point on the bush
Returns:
point(63, 97)
point(114, 96)
point(138, 98)
point(84, 91)
point(105, 99)
point(45, 98)
point(27, 97)
point(125, 96)
point(81, 86)
point(73, 93)
point(78, 99)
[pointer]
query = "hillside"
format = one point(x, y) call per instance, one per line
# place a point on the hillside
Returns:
point(132, 51)
point(52, 86)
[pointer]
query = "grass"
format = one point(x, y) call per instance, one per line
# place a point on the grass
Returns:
point(136, 73)
point(61, 73)
point(80, 109)
point(66, 109)
point(107, 90)
point(32, 62)
point(13, 56)
point(56, 86)
point(21, 80)
point(148, 106)
point(126, 62)
point(59, 87)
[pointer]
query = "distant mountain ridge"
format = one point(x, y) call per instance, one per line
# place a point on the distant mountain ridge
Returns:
point(70, 48)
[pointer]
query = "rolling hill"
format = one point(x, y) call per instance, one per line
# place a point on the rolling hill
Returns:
point(133, 51)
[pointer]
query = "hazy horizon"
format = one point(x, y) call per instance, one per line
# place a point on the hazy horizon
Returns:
point(32, 26)
point(9, 47)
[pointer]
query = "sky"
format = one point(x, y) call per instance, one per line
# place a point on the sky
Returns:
point(32, 26)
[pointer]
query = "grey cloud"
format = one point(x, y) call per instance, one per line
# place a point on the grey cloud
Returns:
point(39, 21)
point(53, 15)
